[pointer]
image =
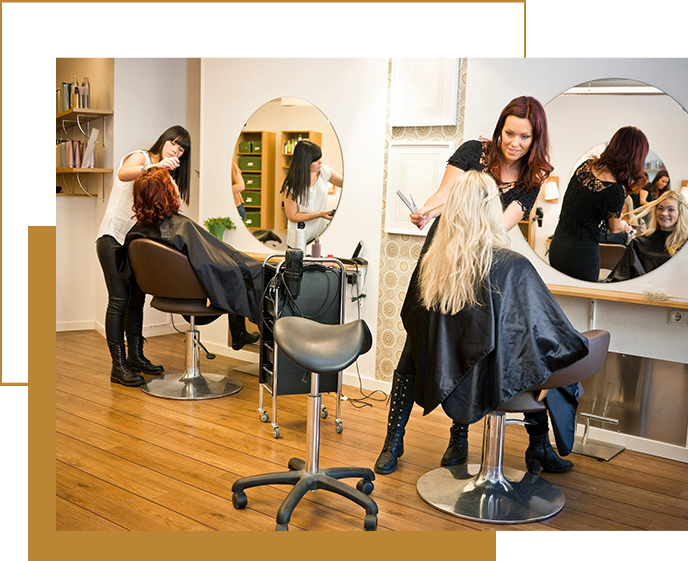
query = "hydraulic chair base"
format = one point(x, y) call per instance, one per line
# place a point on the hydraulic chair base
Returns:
point(303, 481)
point(191, 385)
point(489, 492)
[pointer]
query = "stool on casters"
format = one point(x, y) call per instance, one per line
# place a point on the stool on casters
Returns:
point(321, 350)
point(491, 493)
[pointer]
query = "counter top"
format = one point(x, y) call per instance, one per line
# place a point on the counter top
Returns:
point(615, 296)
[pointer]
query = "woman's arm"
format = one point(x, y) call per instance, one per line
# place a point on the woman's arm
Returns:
point(616, 226)
point(291, 208)
point(336, 178)
point(643, 197)
point(513, 214)
point(429, 211)
point(238, 184)
point(133, 166)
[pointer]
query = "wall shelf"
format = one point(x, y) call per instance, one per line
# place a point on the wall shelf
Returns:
point(82, 170)
point(614, 296)
point(84, 115)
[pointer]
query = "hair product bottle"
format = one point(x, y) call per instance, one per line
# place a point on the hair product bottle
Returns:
point(316, 250)
point(85, 94)
point(76, 100)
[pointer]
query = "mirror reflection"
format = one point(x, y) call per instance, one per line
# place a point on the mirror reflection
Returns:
point(286, 169)
point(617, 146)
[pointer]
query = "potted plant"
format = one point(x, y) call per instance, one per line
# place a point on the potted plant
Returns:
point(217, 226)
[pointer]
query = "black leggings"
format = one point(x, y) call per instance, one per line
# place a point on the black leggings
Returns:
point(125, 300)
point(407, 369)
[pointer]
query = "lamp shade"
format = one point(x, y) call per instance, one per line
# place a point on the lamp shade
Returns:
point(684, 192)
point(551, 191)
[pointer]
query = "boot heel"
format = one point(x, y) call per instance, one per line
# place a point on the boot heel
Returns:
point(401, 451)
point(533, 466)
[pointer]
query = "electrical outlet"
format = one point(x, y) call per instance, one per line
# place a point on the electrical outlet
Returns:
point(678, 317)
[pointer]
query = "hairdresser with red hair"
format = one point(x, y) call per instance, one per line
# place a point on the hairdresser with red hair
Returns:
point(594, 197)
point(230, 278)
point(517, 158)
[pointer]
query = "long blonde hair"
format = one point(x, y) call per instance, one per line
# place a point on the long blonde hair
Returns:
point(459, 258)
point(678, 237)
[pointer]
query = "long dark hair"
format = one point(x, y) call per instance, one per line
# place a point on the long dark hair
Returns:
point(298, 179)
point(536, 167)
point(655, 188)
point(624, 158)
point(182, 174)
point(155, 197)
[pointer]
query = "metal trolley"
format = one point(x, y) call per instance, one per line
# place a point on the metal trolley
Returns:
point(322, 287)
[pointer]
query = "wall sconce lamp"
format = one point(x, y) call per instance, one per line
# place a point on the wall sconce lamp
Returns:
point(551, 189)
point(684, 189)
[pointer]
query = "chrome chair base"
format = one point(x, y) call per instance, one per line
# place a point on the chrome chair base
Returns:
point(522, 497)
point(191, 388)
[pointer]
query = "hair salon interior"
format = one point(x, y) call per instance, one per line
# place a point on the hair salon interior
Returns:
point(133, 457)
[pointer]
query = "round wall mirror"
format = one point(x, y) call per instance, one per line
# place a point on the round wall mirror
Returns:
point(581, 122)
point(287, 135)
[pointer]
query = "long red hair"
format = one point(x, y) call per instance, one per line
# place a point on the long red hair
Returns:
point(624, 157)
point(155, 196)
point(536, 167)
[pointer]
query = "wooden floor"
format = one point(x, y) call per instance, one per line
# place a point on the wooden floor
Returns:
point(127, 461)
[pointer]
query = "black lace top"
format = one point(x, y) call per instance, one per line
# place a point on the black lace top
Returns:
point(472, 155)
point(588, 203)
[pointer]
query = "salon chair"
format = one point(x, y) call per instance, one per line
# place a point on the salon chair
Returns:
point(610, 254)
point(491, 493)
point(265, 236)
point(322, 350)
point(166, 274)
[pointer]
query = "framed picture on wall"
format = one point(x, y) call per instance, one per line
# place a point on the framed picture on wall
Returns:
point(415, 169)
point(424, 92)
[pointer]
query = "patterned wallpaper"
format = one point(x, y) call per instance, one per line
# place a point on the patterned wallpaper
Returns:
point(399, 252)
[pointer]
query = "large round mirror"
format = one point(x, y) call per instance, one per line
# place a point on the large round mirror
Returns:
point(287, 139)
point(582, 120)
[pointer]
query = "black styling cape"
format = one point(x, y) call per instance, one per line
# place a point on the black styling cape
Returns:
point(473, 361)
point(231, 278)
point(643, 254)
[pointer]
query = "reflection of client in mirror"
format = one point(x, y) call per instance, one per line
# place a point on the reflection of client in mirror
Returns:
point(595, 195)
point(665, 236)
point(305, 191)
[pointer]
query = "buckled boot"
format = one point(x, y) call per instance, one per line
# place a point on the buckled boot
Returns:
point(121, 371)
point(240, 337)
point(458, 445)
point(400, 406)
point(540, 454)
point(136, 360)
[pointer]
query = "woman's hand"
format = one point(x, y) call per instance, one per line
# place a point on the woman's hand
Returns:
point(326, 214)
point(170, 163)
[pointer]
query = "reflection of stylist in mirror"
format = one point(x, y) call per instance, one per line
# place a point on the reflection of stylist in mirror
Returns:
point(517, 158)
point(238, 186)
point(595, 195)
point(305, 191)
point(665, 236)
point(659, 185)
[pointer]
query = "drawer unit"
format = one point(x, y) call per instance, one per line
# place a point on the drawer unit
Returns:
point(251, 180)
point(251, 198)
point(249, 163)
point(252, 219)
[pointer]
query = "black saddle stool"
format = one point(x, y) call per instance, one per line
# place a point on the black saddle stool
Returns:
point(166, 273)
point(491, 493)
point(322, 350)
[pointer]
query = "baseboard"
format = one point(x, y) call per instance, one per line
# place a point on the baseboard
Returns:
point(74, 325)
point(148, 330)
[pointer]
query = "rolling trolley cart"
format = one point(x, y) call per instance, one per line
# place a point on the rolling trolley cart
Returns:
point(321, 299)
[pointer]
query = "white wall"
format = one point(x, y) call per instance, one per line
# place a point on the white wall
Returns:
point(491, 84)
point(352, 94)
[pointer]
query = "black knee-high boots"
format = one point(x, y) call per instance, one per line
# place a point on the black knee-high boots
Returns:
point(401, 403)
point(540, 453)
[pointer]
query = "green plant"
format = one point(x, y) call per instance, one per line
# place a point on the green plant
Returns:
point(225, 221)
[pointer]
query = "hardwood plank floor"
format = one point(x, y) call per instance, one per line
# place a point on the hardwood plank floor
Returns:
point(128, 461)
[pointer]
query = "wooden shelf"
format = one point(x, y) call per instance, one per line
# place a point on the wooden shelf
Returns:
point(83, 114)
point(92, 196)
point(614, 296)
point(74, 171)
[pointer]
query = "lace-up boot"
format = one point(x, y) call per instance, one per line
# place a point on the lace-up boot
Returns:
point(458, 445)
point(401, 403)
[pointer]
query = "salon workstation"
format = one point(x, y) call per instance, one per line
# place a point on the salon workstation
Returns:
point(455, 292)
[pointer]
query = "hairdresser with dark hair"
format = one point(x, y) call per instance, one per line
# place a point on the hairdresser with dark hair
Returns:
point(594, 197)
point(230, 278)
point(304, 191)
point(171, 152)
point(660, 184)
point(517, 158)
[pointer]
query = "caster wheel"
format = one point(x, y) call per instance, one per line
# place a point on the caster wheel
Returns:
point(282, 528)
point(275, 432)
point(365, 486)
point(239, 500)
point(264, 417)
point(323, 412)
point(339, 427)
point(370, 522)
